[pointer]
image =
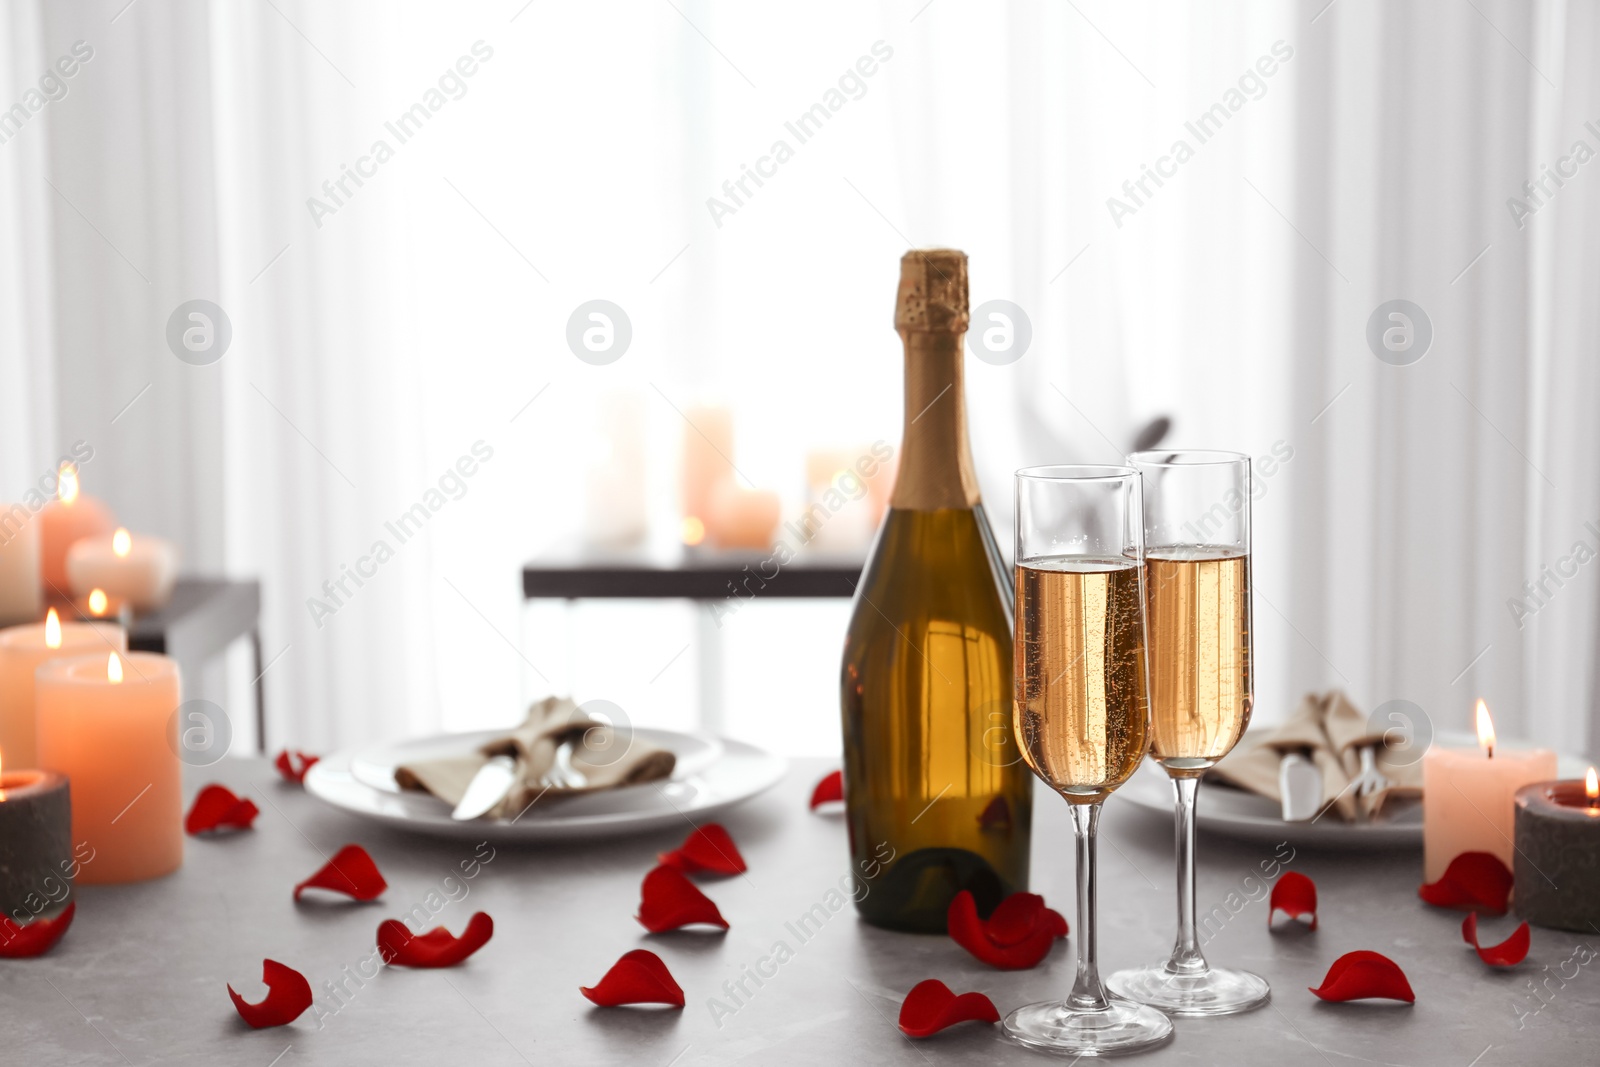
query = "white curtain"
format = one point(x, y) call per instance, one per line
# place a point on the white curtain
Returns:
point(1362, 153)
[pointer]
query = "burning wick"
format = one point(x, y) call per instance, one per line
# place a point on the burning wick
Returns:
point(1485, 729)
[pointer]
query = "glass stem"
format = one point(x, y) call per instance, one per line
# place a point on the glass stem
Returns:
point(1087, 992)
point(1186, 956)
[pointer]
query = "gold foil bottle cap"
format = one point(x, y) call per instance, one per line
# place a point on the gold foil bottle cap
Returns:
point(933, 292)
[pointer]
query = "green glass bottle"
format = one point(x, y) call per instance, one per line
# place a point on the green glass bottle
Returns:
point(938, 797)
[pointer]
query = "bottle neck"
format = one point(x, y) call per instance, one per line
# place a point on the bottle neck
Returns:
point(935, 461)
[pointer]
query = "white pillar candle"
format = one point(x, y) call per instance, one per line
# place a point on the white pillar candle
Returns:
point(107, 723)
point(1467, 797)
point(139, 570)
point(21, 588)
point(22, 650)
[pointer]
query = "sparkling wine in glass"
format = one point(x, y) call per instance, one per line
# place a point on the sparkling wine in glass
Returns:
point(1081, 712)
point(1197, 594)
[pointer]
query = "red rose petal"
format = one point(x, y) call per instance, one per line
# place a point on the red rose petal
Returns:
point(1017, 936)
point(399, 947)
point(20, 941)
point(708, 849)
point(1473, 880)
point(216, 808)
point(668, 901)
point(1362, 974)
point(831, 788)
point(639, 977)
point(1296, 896)
point(288, 994)
point(930, 1007)
point(351, 872)
point(996, 816)
point(1508, 953)
point(293, 765)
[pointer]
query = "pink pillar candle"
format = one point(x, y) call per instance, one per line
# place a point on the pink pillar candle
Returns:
point(64, 521)
point(22, 650)
point(107, 723)
point(139, 570)
point(1467, 798)
point(21, 590)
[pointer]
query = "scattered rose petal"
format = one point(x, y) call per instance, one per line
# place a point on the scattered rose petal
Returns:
point(399, 947)
point(20, 941)
point(639, 977)
point(1513, 950)
point(930, 1007)
point(288, 994)
point(216, 808)
point(996, 816)
point(1296, 896)
point(351, 872)
point(708, 849)
point(1362, 974)
point(668, 901)
point(293, 765)
point(1473, 880)
point(1017, 936)
point(831, 788)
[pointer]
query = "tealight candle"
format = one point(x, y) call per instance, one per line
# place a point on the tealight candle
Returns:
point(1557, 867)
point(71, 516)
point(21, 592)
point(22, 650)
point(1467, 797)
point(742, 518)
point(99, 606)
point(139, 570)
point(35, 843)
point(107, 723)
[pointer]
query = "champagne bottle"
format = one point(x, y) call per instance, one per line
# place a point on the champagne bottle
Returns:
point(938, 796)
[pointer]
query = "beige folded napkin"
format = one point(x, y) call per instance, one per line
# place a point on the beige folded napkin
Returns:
point(1331, 732)
point(601, 755)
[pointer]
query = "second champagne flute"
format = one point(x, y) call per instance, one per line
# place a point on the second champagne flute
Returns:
point(1197, 594)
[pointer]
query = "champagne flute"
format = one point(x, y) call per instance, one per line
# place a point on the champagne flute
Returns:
point(1197, 589)
point(1080, 708)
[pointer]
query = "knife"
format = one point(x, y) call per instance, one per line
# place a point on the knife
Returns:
point(1299, 787)
point(487, 788)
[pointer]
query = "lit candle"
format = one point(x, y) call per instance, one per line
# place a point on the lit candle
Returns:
point(21, 591)
point(107, 724)
point(742, 518)
point(1467, 797)
point(71, 516)
point(139, 570)
point(22, 650)
point(707, 463)
point(35, 843)
point(1557, 866)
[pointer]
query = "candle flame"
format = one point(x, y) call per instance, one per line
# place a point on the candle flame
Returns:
point(67, 489)
point(52, 630)
point(97, 601)
point(113, 669)
point(1485, 729)
point(1591, 785)
point(121, 542)
point(2, 780)
point(694, 531)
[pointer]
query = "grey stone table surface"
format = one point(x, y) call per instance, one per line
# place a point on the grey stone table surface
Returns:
point(141, 976)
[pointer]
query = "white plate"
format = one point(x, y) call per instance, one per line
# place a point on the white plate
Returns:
point(1232, 812)
point(711, 776)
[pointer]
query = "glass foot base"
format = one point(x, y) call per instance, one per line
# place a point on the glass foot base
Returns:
point(1214, 991)
point(1055, 1027)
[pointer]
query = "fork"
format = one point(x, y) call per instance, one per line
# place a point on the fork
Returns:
point(1370, 780)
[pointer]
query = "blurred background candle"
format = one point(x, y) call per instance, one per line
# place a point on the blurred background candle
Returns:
point(742, 518)
point(21, 589)
point(1467, 797)
point(107, 724)
point(139, 570)
point(707, 464)
point(98, 606)
point(1557, 867)
point(35, 842)
point(22, 650)
point(71, 516)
